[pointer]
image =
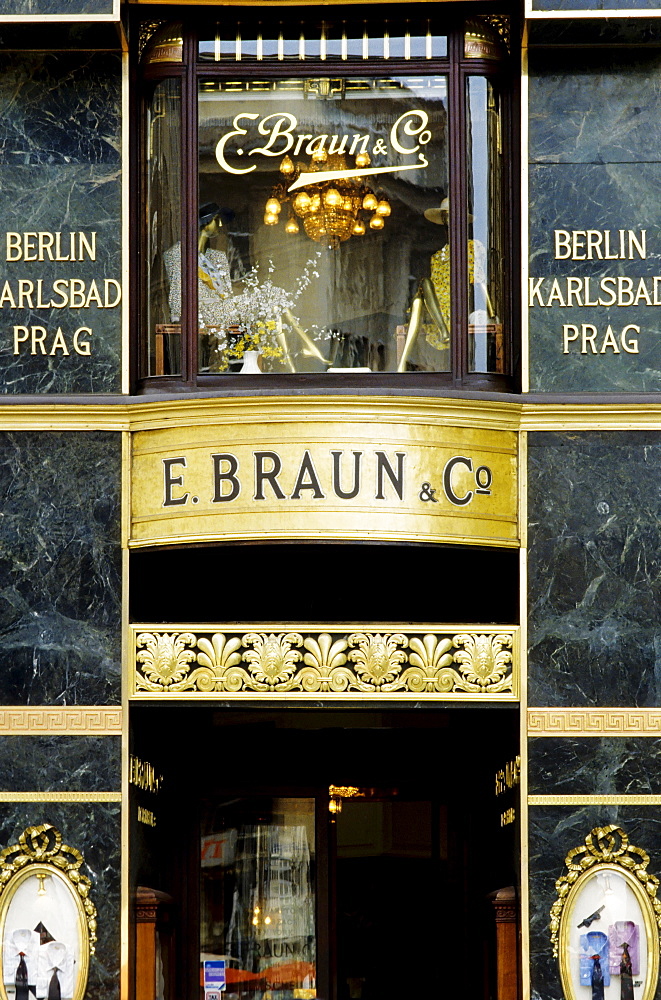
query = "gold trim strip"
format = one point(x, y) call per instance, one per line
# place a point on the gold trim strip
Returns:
point(60, 796)
point(539, 15)
point(125, 310)
point(525, 217)
point(488, 414)
point(343, 662)
point(155, 414)
point(95, 720)
point(594, 800)
point(594, 722)
point(61, 19)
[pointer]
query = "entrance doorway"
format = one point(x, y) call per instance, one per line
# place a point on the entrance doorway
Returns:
point(340, 854)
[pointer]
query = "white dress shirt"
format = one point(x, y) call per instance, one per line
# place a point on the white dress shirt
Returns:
point(52, 956)
point(21, 940)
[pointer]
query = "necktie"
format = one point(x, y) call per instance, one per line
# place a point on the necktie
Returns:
point(54, 992)
point(21, 978)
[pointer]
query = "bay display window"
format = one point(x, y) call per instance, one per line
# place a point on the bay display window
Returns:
point(326, 197)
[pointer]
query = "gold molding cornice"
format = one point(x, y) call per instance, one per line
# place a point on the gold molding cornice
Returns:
point(90, 720)
point(157, 413)
point(164, 411)
point(590, 416)
point(594, 722)
point(594, 800)
point(341, 662)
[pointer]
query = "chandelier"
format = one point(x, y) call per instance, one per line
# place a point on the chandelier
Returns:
point(332, 210)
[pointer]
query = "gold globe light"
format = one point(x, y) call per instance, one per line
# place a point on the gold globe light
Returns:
point(272, 207)
point(383, 208)
point(287, 166)
point(376, 222)
point(292, 225)
point(302, 202)
point(333, 198)
point(370, 202)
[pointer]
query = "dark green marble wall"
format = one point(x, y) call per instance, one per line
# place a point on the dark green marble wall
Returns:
point(60, 172)
point(60, 644)
point(65, 8)
point(60, 568)
point(594, 574)
point(594, 116)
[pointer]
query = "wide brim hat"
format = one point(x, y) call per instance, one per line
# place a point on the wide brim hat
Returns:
point(439, 216)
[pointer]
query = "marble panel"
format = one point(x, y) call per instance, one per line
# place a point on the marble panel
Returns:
point(94, 829)
point(60, 172)
point(594, 134)
point(60, 763)
point(60, 568)
point(569, 5)
point(599, 197)
point(588, 31)
point(599, 765)
point(594, 569)
point(594, 106)
point(553, 832)
point(66, 8)
point(58, 36)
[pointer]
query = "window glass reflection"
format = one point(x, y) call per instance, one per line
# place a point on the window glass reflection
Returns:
point(485, 244)
point(163, 263)
point(320, 237)
point(258, 899)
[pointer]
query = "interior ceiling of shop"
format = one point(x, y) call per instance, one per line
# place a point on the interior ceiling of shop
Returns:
point(325, 583)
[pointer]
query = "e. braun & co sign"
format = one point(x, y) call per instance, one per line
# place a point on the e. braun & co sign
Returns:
point(298, 472)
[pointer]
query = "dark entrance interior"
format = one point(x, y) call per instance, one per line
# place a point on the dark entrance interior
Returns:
point(347, 582)
point(341, 854)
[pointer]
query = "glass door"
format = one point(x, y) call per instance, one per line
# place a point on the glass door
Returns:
point(258, 898)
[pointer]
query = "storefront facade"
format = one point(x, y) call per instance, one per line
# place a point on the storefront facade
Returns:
point(330, 504)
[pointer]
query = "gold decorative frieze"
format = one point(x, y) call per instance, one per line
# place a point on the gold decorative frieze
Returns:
point(344, 661)
point(594, 722)
point(97, 720)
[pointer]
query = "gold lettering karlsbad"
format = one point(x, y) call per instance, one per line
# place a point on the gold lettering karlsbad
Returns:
point(316, 473)
point(607, 291)
point(25, 291)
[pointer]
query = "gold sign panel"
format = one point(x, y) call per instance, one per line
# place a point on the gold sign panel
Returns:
point(339, 662)
point(242, 470)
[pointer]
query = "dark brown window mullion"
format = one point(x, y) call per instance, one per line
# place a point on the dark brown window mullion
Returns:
point(189, 213)
point(458, 213)
point(325, 885)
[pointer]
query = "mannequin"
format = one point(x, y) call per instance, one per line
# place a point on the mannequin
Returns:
point(214, 285)
point(434, 292)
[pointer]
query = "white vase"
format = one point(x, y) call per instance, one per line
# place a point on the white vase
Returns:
point(251, 363)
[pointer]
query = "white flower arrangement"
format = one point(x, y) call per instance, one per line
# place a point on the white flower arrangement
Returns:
point(252, 319)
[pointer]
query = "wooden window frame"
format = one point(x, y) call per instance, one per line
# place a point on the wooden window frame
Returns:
point(458, 69)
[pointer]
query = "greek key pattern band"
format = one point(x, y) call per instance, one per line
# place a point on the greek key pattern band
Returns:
point(594, 722)
point(594, 800)
point(60, 796)
point(96, 720)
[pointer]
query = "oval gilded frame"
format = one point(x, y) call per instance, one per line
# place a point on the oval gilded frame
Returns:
point(650, 945)
point(41, 855)
point(606, 851)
